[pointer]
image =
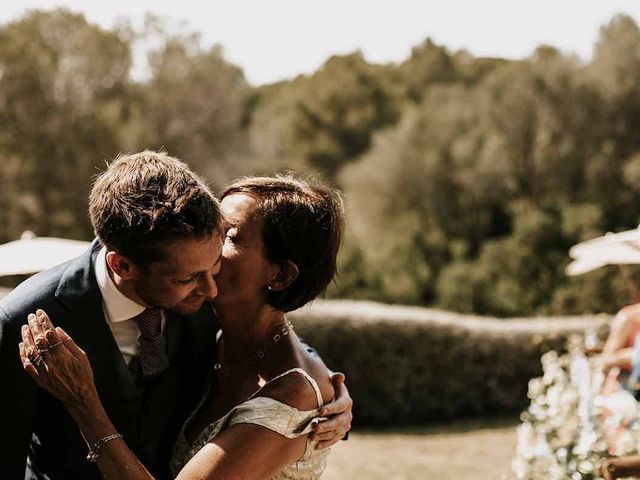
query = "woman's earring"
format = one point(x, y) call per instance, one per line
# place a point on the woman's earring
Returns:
point(269, 287)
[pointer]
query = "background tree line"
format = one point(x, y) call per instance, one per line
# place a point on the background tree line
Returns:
point(466, 179)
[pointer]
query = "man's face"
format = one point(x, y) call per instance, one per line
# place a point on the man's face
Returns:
point(184, 278)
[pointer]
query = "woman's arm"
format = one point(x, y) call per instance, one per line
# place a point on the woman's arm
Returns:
point(253, 451)
point(244, 451)
point(62, 368)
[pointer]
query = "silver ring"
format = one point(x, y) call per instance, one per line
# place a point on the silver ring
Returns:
point(43, 350)
point(37, 361)
point(51, 347)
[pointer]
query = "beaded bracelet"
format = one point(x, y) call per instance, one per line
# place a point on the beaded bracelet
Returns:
point(94, 450)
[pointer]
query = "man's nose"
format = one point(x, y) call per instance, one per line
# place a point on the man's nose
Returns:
point(208, 286)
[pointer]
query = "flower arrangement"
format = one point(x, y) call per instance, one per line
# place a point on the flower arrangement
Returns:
point(567, 428)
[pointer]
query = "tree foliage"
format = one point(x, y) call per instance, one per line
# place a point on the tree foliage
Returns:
point(61, 83)
point(195, 102)
point(466, 179)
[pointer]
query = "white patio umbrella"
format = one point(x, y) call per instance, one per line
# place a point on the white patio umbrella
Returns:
point(33, 254)
point(611, 249)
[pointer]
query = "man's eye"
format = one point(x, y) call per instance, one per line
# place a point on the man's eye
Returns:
point(186, 281)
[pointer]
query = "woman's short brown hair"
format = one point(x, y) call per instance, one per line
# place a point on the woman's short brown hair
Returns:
point(146, 200)
point(302, 222)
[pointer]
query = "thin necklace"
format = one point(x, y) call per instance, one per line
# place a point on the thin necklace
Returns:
point(227, 370)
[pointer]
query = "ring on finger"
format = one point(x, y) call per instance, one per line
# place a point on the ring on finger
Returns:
point(33, 355)
point(36, 361)
point(51, 347)
point(43, 350)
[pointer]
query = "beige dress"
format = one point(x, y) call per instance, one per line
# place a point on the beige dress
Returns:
point(279, 417)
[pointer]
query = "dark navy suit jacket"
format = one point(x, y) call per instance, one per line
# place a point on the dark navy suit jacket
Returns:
point(38, 439)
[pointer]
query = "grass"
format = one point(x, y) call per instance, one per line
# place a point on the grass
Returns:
point(462, 450)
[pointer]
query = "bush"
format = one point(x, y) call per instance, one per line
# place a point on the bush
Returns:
point(411, 365)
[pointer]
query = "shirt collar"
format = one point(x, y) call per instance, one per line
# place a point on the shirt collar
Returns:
point(117, 306)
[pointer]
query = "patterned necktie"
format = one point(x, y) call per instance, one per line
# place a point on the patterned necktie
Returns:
point(152, 355)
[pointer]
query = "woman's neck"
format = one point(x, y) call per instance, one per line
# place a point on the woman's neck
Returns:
point(247, 328)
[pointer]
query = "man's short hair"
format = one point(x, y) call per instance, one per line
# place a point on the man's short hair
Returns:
point(149, 199)
point(302, 222)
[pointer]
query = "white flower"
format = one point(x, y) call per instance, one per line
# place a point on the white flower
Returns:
point(563, 433)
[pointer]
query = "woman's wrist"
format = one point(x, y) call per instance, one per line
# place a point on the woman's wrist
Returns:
point(91, 418)
point(82, 400)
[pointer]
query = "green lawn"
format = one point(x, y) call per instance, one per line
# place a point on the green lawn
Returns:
point(462, 450)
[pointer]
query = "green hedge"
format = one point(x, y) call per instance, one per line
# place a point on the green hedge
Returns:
point(411, 365)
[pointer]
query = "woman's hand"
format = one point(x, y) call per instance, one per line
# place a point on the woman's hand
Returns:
point(55, 362)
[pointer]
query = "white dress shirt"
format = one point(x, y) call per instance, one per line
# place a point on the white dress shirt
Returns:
point(119, 310)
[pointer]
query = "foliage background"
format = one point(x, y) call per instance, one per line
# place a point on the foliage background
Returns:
point(415, 366)
point(466, 179)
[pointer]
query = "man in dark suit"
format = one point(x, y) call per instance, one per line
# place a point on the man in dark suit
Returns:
point(159, 230)
point(137, 303)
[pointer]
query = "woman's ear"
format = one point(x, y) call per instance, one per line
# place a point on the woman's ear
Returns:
point(286, 275)
point(121, 265)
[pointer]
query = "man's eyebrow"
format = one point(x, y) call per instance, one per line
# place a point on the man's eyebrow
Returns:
point(205, 271)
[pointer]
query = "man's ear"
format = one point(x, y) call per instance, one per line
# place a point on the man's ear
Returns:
point(285, 276)
point(121, 265)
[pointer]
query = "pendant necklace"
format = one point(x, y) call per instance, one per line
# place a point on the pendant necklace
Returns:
point(227, 370)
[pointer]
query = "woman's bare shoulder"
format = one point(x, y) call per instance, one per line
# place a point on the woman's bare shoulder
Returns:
point(295, 388)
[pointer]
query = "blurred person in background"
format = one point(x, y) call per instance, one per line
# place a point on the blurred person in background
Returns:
point(621, 366)
point(138, 303)
point(618, 351)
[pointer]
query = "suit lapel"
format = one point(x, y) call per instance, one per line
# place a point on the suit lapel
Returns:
point(174, 334)
point(86, 324)
point(190, 345)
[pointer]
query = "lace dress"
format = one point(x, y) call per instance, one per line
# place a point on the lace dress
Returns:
point(274, 415)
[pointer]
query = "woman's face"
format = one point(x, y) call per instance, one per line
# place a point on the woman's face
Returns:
point(245, 271)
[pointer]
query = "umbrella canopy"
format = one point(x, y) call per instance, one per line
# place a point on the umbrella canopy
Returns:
point(611, 249)
point(33, 254)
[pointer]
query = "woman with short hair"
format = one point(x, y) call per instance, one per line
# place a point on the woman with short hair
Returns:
point(279, 253)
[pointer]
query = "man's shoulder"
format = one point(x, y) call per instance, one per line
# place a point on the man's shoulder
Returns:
point(39, 291)
point(34, 291)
